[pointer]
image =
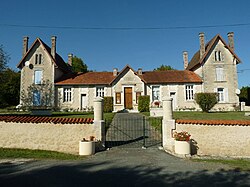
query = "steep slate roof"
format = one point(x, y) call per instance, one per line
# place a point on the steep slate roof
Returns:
point(149, 77)
point(59, 62)
point(196, 61)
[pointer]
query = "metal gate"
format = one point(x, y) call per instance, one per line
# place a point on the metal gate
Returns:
point(133, 131)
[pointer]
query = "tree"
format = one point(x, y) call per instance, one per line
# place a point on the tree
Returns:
point(78, 65)
point(3, 59)
point(38, 96)
point(10, 88)
point(244, 94)
point(164, 68)
point(206, 101)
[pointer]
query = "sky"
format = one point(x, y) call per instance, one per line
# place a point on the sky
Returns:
point(109, 34)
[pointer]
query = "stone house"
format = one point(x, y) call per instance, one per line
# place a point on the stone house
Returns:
point(212, 69)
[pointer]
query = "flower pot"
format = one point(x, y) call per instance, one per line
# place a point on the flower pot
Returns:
point(182, 147)
point(86, 147)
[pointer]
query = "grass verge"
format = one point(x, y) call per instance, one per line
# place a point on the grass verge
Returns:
point(36, 154)
point(242, 164)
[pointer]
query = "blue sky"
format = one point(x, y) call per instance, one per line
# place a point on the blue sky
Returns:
point(105, 49)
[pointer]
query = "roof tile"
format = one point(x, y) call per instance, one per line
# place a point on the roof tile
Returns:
point(215, 122)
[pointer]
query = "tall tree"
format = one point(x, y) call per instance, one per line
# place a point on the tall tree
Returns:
point(3, 58)
point(78, 65)
point(244, 94)
point(164, 68)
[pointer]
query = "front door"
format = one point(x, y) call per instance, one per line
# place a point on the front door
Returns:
point(83, 101)
point(128, 98)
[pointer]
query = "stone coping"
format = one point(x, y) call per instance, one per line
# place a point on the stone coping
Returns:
point(44, 119)
point(215, 122)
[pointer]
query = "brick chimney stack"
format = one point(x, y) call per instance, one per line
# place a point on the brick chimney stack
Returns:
point(70, 57)
point(185, 59)
point(230, 36)
point(53, 46)
point(25, 45)
point(202, 44)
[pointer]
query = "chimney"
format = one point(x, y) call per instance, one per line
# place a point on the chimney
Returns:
point(25, 44)
point(53, 46)
point(70, 56)
point(185, 59)
point(115, 72)
point(230, 36)
point(202, 44)
point(139, 71)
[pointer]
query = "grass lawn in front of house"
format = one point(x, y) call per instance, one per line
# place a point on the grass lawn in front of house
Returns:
point(36, 154)
point(208, 116)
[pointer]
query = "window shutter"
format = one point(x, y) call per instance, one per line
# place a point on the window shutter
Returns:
point(226, 94)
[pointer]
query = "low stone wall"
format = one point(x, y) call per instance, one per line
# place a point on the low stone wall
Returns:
point(223, 139)
point(46, 136)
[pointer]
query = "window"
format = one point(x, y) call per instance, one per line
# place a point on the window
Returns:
point(100, 92)
point(217, 56)
point(67, 94)
point(156, 93)
point(36, 98)
point(38, 76)
point(189, 92)
point(221, 97)
point(118, 97)
point(138, 94)
point(38, 59)
point(219, 74)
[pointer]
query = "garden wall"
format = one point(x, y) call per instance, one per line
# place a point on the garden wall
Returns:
point(46, 136)
point(217, 138)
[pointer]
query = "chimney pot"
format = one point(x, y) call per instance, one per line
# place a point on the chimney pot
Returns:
point(53, 46)
point(25, 44)
point(185, 59)
point(115, 72)
point(139, 71)
point(70, 56)
point(202, 44)
point(230, 36)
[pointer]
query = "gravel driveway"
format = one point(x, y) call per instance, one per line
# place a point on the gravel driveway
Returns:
point(120, 167)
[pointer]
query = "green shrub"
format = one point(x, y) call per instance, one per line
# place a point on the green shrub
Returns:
point(206, 101)
point(108, 104)
point(143, 103)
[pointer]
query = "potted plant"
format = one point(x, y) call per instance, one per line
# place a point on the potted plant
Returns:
point(182, 142)
point(87, 147)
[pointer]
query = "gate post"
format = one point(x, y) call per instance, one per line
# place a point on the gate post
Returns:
point(99, 122)
point(168, 124)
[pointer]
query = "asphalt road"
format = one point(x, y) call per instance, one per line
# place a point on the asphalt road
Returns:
point(120, 167)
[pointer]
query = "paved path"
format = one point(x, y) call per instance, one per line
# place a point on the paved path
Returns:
point(121, 167)
point(132, 130)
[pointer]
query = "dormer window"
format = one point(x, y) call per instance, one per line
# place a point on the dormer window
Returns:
point(218, 56)
point(38, 59)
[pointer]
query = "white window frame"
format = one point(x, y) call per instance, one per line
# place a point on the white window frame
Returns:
point(189, 92)
point(99, 91)
point(155, 93)
point(67, 95)
point(38, 74)
point(221, 95)
point(219, 73)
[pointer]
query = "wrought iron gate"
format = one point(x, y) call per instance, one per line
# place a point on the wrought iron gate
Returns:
point(133, 131)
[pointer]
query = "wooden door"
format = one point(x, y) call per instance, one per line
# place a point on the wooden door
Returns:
point(128, 98)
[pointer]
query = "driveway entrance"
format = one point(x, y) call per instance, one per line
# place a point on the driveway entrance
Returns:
point(133, 131)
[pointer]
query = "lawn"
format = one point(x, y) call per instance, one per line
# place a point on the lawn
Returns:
point(242, 164)
point(209, 116)
point(36, 154)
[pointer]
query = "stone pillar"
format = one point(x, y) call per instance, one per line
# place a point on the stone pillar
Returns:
point(98, 109)
point(168, 124)
point(99, 123)
point(242, 106)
